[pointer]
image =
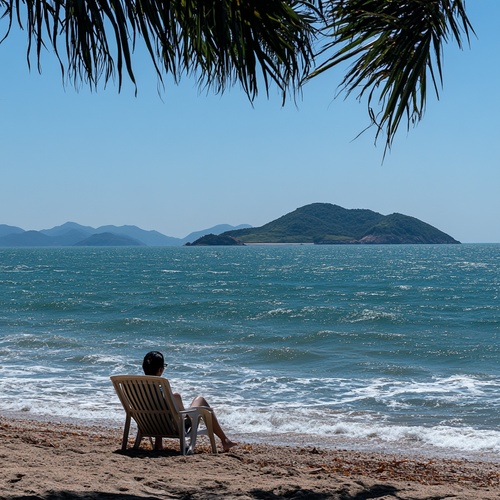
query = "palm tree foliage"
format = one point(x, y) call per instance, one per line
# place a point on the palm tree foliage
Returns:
point(393, 47)
point(221, 41)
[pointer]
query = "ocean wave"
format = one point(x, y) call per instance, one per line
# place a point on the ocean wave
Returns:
point(371, 315)
point(369, 431)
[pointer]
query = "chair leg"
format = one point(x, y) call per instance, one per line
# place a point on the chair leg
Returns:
point(182, 442)
point(126, 430)
point(138, 440)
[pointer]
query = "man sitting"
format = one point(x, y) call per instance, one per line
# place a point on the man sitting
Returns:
point(154, 364)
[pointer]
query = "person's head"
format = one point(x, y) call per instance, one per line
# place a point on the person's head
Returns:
point(153, 363)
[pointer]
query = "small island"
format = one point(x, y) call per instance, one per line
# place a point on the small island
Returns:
point(327, 224)
point(215, 240)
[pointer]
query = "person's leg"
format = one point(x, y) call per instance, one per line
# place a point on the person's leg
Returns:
point(178, 401)
point(226, 442)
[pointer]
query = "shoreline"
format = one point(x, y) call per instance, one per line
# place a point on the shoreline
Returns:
point(416, 451)
point(55, 460)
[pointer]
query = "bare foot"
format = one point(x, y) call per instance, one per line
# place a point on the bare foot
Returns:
point(228, 444)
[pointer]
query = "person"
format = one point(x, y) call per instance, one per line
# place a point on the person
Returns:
point(154, 364)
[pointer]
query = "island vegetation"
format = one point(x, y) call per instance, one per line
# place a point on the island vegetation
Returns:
point(324, 223)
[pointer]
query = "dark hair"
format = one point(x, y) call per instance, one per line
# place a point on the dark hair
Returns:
point(153, 361)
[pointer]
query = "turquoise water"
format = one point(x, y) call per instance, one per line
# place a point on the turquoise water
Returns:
point(366, 347)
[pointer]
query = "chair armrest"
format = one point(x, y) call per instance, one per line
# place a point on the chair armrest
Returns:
point(195, 414)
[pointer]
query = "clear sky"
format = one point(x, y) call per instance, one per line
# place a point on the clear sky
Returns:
point(186, 161)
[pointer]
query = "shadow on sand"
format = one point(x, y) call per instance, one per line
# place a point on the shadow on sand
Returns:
point(374, 492)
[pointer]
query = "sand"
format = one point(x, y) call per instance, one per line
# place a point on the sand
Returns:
point(44, 460)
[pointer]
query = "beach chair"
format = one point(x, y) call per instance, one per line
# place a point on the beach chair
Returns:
point(149, 402)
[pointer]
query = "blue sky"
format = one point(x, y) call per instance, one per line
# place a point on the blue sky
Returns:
point(184, 161)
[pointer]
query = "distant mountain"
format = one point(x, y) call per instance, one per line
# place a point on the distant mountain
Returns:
point(71, 233)
point(6, 230)
point(109, 240)
point(68, 227)
point(149, 238)
point(219, 229)
point(71, 237)
point(323, 223)
point(26, 239)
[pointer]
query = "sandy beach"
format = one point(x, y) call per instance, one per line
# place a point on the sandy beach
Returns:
point(49, 460)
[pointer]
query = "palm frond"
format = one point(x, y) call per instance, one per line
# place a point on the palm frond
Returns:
point(253, 42)
point(393, 46)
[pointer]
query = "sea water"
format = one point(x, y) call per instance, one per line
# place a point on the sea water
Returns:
point(389, 348)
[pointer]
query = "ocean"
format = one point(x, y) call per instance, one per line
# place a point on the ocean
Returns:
point(383, 348)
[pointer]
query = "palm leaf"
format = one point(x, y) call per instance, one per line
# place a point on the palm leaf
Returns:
point(223, 42)
point(393, 47)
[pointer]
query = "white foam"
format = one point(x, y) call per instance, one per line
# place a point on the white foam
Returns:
point(453, 387)
point(371, 430)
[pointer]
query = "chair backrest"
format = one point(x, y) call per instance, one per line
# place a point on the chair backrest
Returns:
point(148, 400)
